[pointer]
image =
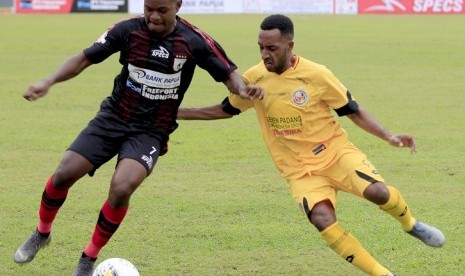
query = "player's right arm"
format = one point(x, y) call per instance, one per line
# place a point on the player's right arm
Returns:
point(212, 112)
point(72, 67)
point(223, 110)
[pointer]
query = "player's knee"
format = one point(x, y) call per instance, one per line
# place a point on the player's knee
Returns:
point(71, 168)
point(121, 191)
point(323, 215)
point(63, 178)
point(377, 193)
point(119, 196)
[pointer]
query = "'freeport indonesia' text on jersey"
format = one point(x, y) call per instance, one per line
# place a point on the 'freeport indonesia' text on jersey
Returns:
point(156, 71)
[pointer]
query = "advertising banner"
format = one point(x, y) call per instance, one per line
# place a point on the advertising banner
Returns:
point(196, 6)
point(252, 6)
point(67, 6)
point(345, 6)
point(289, 6)
point(258, 6)
point(411, 6)
point(43, 6)
point(210, 6)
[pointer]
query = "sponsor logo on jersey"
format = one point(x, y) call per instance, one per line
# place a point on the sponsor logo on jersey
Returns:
point(300, 97)
point(159, 94)
point(286, 132)
point(284, 122)
point(148, 160)
point(153, 78)
point(319, 149)
point(161, 52)
point(136, 87)
point(153, 85)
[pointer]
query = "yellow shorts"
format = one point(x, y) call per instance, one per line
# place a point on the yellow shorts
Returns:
point(351, 173)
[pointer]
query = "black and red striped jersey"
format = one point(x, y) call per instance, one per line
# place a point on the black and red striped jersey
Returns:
point(156, 71)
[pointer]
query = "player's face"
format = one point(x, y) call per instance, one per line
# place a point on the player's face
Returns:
point(276, 50)
point(160, 15)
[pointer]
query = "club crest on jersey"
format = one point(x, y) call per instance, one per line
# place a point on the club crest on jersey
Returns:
point(161, 52)
point(300, 97)
point(178, 63)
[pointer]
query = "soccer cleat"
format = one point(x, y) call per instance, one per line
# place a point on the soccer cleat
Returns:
point(28, 250)
point(428, 234)
point(85, 266)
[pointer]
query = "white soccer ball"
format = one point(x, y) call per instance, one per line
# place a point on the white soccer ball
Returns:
point(116, 267)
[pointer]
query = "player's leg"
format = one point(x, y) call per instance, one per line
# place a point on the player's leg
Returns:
point(128, 176)
point(365, 181)
point(389, 200)
point(88, 151)
point(72, 167)
point(396, 206)
point(317, 197)
point(137, 158)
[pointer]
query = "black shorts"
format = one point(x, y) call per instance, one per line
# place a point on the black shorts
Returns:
point(106, 136)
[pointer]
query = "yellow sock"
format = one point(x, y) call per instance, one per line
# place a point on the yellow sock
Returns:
point(398, 209)
point(349, 248)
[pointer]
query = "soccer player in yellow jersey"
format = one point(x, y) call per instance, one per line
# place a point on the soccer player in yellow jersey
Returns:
point(310, 148)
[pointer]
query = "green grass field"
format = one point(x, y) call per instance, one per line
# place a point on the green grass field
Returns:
point(215, 204)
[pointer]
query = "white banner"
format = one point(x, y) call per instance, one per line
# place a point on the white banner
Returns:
point(211, 6)
point(288, 6)
point(258, 6)
point(136, 6)
point(346, 7)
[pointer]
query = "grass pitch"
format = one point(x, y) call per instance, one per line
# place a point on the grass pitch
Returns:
point(215, 204)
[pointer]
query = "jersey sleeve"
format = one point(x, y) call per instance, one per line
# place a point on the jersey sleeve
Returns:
point(229, 108)
point(236, 104)
point(336, 95)
point(211, 57)
point(109, 43)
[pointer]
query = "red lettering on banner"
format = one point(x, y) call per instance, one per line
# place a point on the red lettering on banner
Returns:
point(438, 6)
point(411, 6)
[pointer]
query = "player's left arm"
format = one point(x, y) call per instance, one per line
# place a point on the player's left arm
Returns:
point(363, 119)
point(236, 85)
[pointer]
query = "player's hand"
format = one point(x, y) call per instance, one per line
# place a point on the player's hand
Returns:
point(36, 90)
point(403, 141)
point(251, 92)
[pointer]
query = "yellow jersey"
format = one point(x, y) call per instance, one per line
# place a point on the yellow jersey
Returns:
point(296, 117)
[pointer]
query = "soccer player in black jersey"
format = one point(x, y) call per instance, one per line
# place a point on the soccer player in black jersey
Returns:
point(158, 53)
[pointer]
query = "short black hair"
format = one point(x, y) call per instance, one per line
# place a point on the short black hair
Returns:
point(278, 21)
